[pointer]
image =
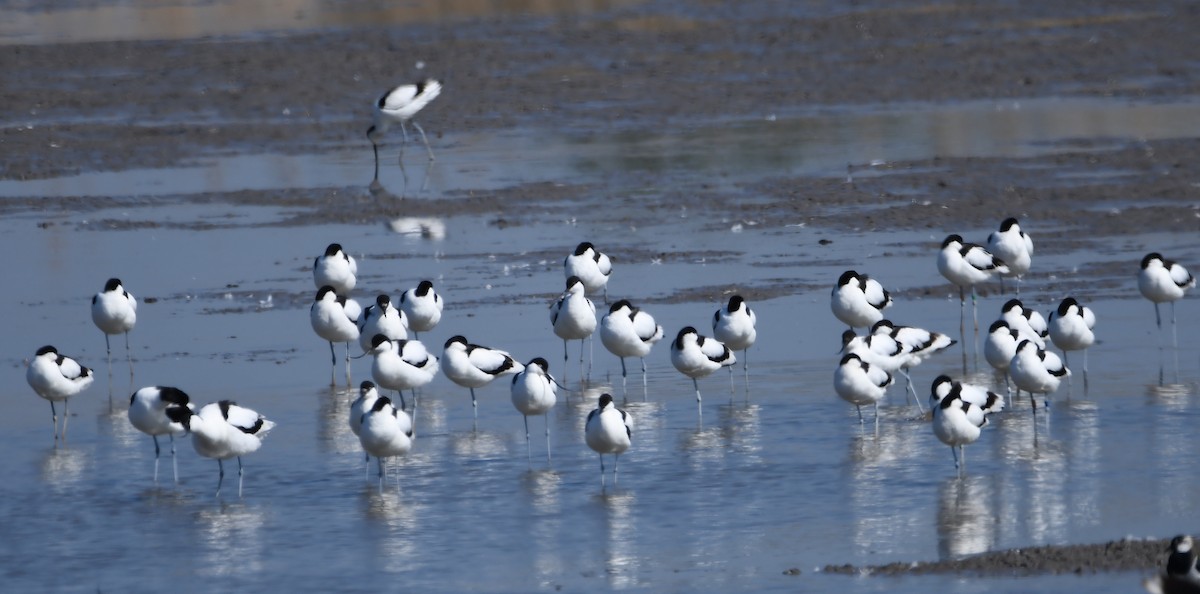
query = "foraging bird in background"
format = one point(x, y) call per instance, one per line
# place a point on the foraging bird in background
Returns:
point(966, 265)
point(1070, 329)
point(386, 433)
point(472, 366)
point(858, 300)
point(628, 331)
point(223, 430)
point(57, 377)
point(402, 365)
point(1036, 371)
point(114, 311)
point(591, 266)
point(534, 392)
point(956, 420)
point(861, 383)
point(608, 430)
point(381, 318)
point(400, 105)
point(335, 319)
point(335, 268)
point(697, 356)
point(574, 318)
point(1014, 247)
point(734, 325)
point(422, 307)
point(1162, 280)
point(148, 414)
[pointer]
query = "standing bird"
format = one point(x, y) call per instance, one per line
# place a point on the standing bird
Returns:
point(591, 266)
point(399, 105)
point(534, 392)
point(472, 366)
point(335, 268)
point(1027, 322)
point(386, 432)
point(368, 393)
point(1036, 371)
point(422, 307)
point(608, 430)
point(861, 383)
point(956, 420)
point(966, 265)
point(697, 356)
point(57, 377)
point(1000, 347)
point(402, 365)
point(1014, 247)
point(919, 343)
point(335, 319)
point(574, 318)
point(628, 331)
point(1182, 563)
point(223, 430)
point(114, 311)
point(1071, 330)
point(381, 318)
point(1162, 280)
point(858, 300)
point(734, 326)
point(148, 414)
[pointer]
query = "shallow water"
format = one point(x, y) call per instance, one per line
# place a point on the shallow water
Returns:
point(781, 477)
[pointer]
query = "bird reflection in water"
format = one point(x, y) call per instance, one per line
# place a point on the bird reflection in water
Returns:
point(62, 467)
point(966, 519)
point(622, 564)
point(395, 522)
point(230, 540)
point(542, 488)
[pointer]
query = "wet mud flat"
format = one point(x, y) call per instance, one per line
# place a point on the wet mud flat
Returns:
point(1147, 555)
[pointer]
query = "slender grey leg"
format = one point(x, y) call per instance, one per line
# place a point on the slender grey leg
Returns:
point(348, 382)
point(128, 355)
point(616, 466)
point(962, 455)
point(54, 420)
point(174, 462)
point(602, 470)
point(860, 417)
point(528, 455)
point(954, 451)
point(423, 139)
point(566, 360)
point(404, 131)
point(547, 417)
point(699, 409)
point(624, 389)
point(1157, 317)
point(155, 438)
point(220, 475)
point(746, 368)
point(731, 388)
point(474, 405)
point(333, 368)
point(644, 387)
point(239, 477)
point(66, 418)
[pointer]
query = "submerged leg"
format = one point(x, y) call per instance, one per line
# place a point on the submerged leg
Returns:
point(155, 438)
point(220, 475)
point(174, 461)
point(699, 409)
point(474, 405)
point(547, 416)
point(239, 477)
point(528, 455)
point(746, 368)
point(1157, 317)
point(54, 420)
point(128, 355)
point(616, 466)
point(624, 390)
point(860, 417)
point(333, 366)
point(601, 470)
point(644, 387)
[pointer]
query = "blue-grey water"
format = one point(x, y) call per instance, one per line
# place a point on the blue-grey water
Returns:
point(777, 478)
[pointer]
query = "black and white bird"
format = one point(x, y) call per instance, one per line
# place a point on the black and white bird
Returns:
point(608, 430)
point(591, 266)
point(966, 265)
point(1182, 562)
point(628, 331)
point(858, 300)
point(422, 307)
point(860, 383)
point(398, 106)
point(472, 366)
point(57, 378)
point(335, 319)
point(148, 414)
point(1014, 247)
point(697, 356)
point(335, 268)
point(574, 317)
point(534, 392)
point(402, 365)
point(1162, 281)
point(381, 318)
point(114, 311)
point(223, 430)
point(1000, 347)
point(1036, 371)
point(957, 421)
point(1027, 322)
point(386, 432)
point(919, 343)
point(1071, 329)
point(368, 393)
point(734, 325)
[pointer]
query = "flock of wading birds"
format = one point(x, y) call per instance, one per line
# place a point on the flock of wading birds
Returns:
point(222, 430)
point(1015, 345)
